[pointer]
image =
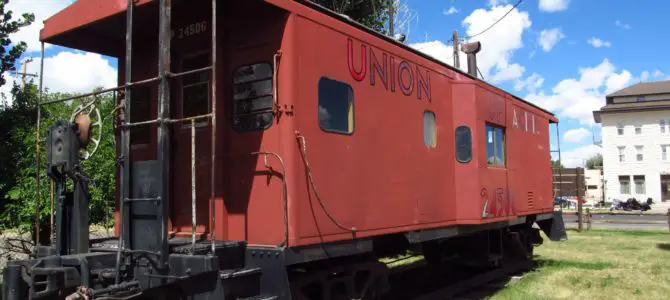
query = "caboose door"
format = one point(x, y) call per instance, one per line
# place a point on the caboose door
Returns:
point(191, 97)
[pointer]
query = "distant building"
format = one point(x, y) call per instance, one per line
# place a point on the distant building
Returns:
point(594, 186)
point(636, 142)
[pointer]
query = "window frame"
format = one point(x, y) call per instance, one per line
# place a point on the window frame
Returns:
point(662, 126)
point(638, 129)
point(621, 153)
point(138, 144)
point(643, 186)
point(620, 128)
point(639, 153)
point(233, 110)
point(433, 128)
point(621, 185)
point(665, 148)
point(457, 144)
point(182, 86)
point(352, 104)
point(495, 145)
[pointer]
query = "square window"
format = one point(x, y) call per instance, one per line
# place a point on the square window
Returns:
point(639, 155)
point(619, 129)
point(638, 129)
point(336, 106)
point(195, 87)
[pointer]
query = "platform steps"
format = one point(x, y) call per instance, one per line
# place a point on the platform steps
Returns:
point(244, 283)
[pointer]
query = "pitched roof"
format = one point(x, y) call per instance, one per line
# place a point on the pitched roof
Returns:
point(631, 107)
point(644, 88)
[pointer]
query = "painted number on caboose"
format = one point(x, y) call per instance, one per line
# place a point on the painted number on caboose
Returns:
point(190, 30)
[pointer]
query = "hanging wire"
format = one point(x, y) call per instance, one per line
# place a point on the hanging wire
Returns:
point(496, 22)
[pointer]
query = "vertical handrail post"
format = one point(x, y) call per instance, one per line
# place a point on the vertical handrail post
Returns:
point(214, 100)
point(163, 154)
point(37, 153)
point(125, 142)
point(193, 204)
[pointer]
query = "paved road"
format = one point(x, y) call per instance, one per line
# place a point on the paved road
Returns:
point(620, 221)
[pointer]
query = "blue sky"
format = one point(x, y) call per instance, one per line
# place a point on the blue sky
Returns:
point(564, 55)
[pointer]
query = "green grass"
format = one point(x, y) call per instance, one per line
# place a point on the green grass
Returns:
point(599, 264)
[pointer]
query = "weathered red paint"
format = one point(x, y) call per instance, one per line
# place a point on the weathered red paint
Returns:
point(380, 179)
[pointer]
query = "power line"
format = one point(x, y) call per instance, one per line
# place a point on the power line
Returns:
point(496, 22)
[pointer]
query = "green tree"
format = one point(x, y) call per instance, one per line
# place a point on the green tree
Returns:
point(371, 13)
point(10, 52)
point(556, 164)
point(595, 162)
point(19, 188)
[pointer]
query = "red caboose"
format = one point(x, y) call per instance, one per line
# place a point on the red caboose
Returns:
point(307, 138)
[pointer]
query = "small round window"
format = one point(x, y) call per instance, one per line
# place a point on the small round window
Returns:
point(463, 144)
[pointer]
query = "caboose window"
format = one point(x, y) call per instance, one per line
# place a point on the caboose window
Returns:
point(429, 129)
point(463, 144)
point(495, 145)
point(336, 106)
point(195, 87)
point(252, 97)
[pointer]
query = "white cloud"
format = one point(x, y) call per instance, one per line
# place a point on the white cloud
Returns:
point(596, 42)
point(623, 25)
point(42, 11)
point(658, 74)
point(452, 10)
point(578, 156)
point(553, 5)
point(498, 2)
point(549, 38)
point(440, 51)
point(577, 98)
point(500, 42)
point(75, 72)
point(531, 83)
point(576, 135)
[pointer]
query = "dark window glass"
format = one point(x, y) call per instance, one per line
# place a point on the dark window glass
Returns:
point(140, 110)
point(195, 87)
point(252, 97)
point(336, 106)
point(463, 144)
point(495, 145)
point(429, 129)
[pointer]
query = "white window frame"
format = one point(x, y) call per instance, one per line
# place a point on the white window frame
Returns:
point(640, 189)
point(664, 152)
point(639, 153)
point(620, 129)
point(638, 129)
point(662, 126)
point(621, 186)
point(622, 153)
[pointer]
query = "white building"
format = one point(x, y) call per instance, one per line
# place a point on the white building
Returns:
point(636, 142)
point(594, 184)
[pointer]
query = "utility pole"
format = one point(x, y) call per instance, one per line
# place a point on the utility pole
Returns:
point(391, 18)
point(25, 73)
point(457, 62)
point(580, 195)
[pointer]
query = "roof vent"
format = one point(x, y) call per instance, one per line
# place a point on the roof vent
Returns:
point(471, 49)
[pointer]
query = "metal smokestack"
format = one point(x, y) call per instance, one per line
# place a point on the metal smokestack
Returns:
point(471, 49)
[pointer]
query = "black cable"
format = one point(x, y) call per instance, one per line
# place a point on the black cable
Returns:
point(496, 22)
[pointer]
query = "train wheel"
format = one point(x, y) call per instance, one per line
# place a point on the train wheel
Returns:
point(358, 280)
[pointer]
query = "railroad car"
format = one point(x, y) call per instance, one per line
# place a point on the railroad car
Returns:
point(298, 144)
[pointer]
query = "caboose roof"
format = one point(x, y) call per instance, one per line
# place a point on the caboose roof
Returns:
point(99, 26)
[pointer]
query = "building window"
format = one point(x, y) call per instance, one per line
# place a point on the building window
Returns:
point(662, 125)
point(639, 155)
point(622, 153)
point(638, 129)
point(463, 144)
point(624, 185)
point(619, 129)
point(252, 97)
point(336, 106)
point(592, 187)
point(429, 129)
point(195, 87)
point(495, 145)
point(664, 152)
point(640, 188)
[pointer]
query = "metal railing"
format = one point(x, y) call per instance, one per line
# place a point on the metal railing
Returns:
point(163, 120)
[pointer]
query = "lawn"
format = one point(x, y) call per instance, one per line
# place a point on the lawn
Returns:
point(598, 264)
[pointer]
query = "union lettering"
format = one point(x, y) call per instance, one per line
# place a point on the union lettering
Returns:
point(393, 73)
